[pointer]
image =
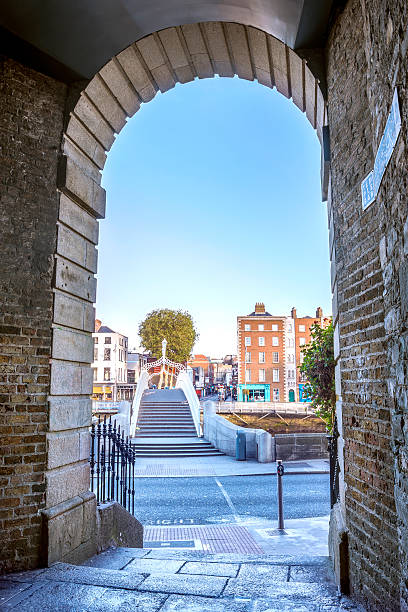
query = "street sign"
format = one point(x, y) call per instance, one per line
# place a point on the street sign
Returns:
point(371, 183)
point(368, 192)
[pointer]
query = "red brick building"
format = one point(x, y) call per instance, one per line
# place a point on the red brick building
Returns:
point(269, 354)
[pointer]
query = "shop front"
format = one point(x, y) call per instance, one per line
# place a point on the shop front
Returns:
point(254, 392)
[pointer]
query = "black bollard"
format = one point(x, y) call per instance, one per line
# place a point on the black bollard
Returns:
point(280, 471)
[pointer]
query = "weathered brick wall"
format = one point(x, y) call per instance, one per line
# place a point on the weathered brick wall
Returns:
point(32, 108)
point(366, 57)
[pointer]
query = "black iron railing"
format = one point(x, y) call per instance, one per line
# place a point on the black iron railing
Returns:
point(112, 464)
point(334, 466)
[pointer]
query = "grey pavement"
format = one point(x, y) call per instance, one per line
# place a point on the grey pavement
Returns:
point(145, 580)
point(164, 467)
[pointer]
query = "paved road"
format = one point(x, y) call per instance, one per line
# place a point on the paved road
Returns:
point(201, 501)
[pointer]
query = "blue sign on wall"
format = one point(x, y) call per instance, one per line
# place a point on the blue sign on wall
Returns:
point(372, 182)
point(368, 192)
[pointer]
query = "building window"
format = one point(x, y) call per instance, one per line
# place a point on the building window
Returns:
point(261, 327)
point(106, 354)
point(291, 358)
point(275, 341)
point(247, 375)
point(261, 375)
point(247, 340)
point(248, 357)
point(108, 340)
point(261, 357)
point(291, 342)
point(106, 373)
point(275, 375)
point(302, 358)
point(131, 376)
point(95, 373)
point(289, 328)
point(275, 357)
point(247, 327)
point(96, 354)
point(291, 373)
point(261, 341)
point(96, 340)
point(302, 341)
point(276, 395)
point(303, 377)
point(302, 328)
point(275, 327)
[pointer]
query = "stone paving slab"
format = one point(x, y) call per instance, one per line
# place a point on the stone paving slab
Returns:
point(198, 582)
point(259, 574)
point(293, 590)
point(9, 589)
point(96, 576)
point(155, 566)
point(199, 555)
point(115, 558)
point(229, 570)
point(51, 596)
point(310, 574)
point(118, 600)
point(184, 584)
point(181, 603)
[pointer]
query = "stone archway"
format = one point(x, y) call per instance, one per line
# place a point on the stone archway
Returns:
point(154, 63)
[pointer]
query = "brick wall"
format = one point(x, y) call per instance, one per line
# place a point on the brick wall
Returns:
point(32, 121)
point(365, 57)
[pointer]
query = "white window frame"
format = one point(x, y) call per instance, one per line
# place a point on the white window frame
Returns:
point(275, 375)
point(261, 375)
point(247, 340)
point(302, 341)
point(275, 357)
point(302, 328)
point(261, 357)
point(275, 341)
point(261, 341)
point(275, 327)
point(247, 327)
point(247, 375)
point(261, 327)
point(247, 356)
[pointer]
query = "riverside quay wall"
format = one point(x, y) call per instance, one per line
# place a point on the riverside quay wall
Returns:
point(56, 129)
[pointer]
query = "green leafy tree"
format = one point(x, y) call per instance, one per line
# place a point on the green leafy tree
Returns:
point(318, 368)
point(176, 326)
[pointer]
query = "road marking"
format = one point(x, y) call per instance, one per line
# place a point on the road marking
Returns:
point(229, 501)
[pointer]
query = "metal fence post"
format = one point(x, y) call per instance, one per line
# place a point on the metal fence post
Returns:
point(280, 471)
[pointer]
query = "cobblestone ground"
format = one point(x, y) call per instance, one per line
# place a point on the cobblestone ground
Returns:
point(130, 579)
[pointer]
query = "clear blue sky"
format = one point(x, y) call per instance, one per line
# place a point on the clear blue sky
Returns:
point(213, 204)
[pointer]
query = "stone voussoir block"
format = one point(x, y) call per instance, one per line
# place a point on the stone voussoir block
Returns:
point(66, 482)
point(90, 116)
point(72, 345)
point(105, 101)
point(69, 413)
point(76, 217)
point(120, 87)
point(70, 379)
point(75, 280)
point(81, 188)
point(73, 312)
point(76, 248)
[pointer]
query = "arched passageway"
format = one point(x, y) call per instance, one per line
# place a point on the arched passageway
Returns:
point(49, 315)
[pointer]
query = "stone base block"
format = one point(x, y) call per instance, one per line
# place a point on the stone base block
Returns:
point(69, 530)
point(338, 548)
point(116, 527)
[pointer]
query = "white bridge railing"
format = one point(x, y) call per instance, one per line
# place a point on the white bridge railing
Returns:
point(142, 385)
point(184, 383)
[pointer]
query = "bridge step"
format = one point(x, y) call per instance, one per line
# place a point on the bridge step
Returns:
point(162, 421)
